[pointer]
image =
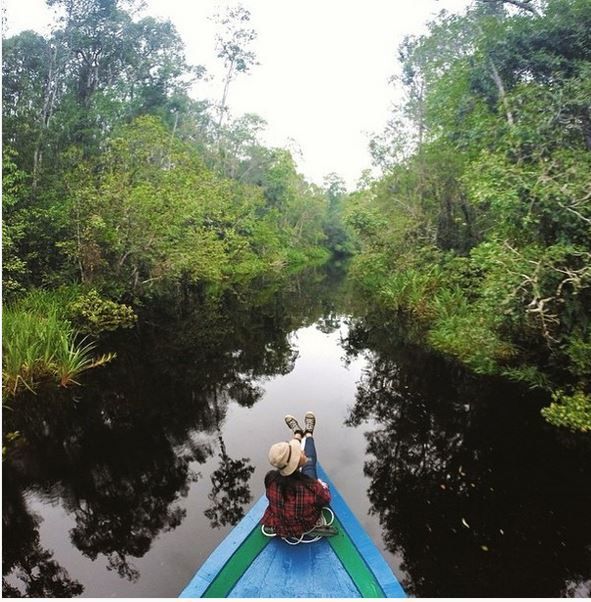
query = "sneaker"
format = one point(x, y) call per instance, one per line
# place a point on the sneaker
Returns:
point(310, 422)
point(292, 423)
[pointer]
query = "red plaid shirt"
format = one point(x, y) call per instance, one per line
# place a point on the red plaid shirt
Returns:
point(296, 511)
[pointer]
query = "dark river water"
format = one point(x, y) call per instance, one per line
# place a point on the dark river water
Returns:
point(122, 487)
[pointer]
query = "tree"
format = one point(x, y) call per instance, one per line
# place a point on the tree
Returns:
point(233, 48)
point(31, 85)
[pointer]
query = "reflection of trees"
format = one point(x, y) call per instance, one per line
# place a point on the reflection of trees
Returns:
point(472, 489)
point(120, 479)
point(329, 322)
point(235, 337)
point(123, 502)
point(230, 491)
point(221, 343)
point(118, 451)
point(28, 570)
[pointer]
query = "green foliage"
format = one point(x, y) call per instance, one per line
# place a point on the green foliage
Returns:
point(8, 441)
point(14, 268)
point(480, 229)
point(472, 339)
point(530, 375)
point(116, 179)
point(40, 345)
point(148, 211)
point(92, 314)
point(578, 351)
point(49, 301)
point(411, 290)
point(570, 411)
point(363, 219)
point(542, 201)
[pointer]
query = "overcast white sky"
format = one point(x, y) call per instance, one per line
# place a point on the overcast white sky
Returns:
point(323, 74)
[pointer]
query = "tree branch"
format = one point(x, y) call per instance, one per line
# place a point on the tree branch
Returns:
point(523, 4)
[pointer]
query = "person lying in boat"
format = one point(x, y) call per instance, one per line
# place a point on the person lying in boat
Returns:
point(296, 495)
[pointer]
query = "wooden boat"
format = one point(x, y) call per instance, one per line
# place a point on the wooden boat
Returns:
point(247, 564)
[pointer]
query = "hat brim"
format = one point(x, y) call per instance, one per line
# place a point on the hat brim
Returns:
point(294, 458)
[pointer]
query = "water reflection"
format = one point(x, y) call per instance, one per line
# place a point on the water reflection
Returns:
point(117, 454)
point(124, 502)
point(230, 491)
point(473, 490)
point(35, 573)
point(112, 466)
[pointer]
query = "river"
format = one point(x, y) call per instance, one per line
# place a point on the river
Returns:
point(123, 486)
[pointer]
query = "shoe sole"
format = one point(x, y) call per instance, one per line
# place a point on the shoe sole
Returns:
point(297, 424)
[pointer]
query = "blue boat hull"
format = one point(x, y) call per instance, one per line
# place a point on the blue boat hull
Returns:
point(248, 565)
point(302, 571)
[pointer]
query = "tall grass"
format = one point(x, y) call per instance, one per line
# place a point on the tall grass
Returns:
point(40, 345)
point(44, 302)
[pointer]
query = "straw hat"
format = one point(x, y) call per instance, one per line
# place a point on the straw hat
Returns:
point(285, 456)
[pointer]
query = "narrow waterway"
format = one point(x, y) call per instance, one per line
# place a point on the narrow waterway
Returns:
point(122, 487)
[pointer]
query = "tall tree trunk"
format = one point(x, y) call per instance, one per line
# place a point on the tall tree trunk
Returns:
point(501, 90)
point(222, 109)
point(421, 114)
point(46, 113)
point(176, 122)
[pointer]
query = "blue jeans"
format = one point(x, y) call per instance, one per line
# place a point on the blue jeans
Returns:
point(309, 468)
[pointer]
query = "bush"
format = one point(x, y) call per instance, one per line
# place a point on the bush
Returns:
point(39, 345)
point(570, 411)
point(92, 314)
point(472, 340)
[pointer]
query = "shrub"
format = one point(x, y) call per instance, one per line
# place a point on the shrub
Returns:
point(92, 314)
point(570, 411)
point(472, 341)
point(39, 345)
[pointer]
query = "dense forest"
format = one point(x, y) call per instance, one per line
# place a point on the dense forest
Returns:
point(479, 233)
point(118, 184)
